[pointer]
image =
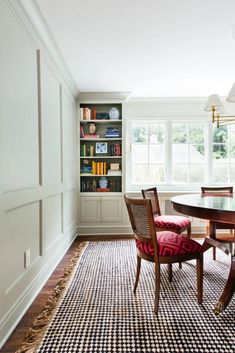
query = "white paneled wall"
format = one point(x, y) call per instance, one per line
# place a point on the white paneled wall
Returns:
point(38, 159)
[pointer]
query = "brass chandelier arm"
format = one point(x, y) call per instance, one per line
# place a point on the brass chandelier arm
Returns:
point(222, 120)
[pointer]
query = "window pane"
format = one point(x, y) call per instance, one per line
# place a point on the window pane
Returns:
point(196, 134)
point(156, 173)
point(140, 154)
point(232, 173)
point(232, 135)
point(156, 153)
point(220, 173)
point(180, 153)
point(196, 173)
point(232, 152)
point(156, 133)
point(139, 133)
point(179, 173)
point(179, 133)
point(220, 151)
point(197, 153)
point(139, 174)
point(220, 135)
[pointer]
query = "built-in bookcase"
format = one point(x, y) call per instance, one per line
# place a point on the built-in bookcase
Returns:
point(101, 147)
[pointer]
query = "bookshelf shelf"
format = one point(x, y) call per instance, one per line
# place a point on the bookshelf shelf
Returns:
point(99, 175)
point(101, 139)
point(99, 121)
point(100, 157)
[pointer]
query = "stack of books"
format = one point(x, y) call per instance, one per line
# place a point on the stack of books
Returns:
point(112, 132)
point(114, 169)
point(86, 170)
point(114, 172)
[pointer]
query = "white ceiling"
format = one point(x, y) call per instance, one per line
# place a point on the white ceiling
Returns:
point(156, 48)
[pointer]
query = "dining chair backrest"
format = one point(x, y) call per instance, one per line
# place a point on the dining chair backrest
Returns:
point(141, 217)
point(217, 191)
point(225, 191)
point(152, 194)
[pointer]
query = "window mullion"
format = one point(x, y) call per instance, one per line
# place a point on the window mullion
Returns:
point(168, 149)
point(209, 148)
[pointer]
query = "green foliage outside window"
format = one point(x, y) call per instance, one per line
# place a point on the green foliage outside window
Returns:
point(220, 139)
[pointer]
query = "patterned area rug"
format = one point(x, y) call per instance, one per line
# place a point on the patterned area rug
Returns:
point(99, 312)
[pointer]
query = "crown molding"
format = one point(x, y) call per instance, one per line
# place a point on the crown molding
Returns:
point(107, 96)
point(173, 100)
point(37, 22)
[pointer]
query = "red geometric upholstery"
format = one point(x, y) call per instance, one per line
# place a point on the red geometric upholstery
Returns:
point(174, 223)
point(170, 244)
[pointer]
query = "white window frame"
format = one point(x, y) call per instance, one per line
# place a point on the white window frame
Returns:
point(169, 186)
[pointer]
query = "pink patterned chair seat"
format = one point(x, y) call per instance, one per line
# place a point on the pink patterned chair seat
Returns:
point(170, 244)
point(174, 223)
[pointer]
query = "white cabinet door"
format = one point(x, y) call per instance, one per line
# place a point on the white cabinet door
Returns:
point(90, 210)
point(111, 209)
point(100, 209)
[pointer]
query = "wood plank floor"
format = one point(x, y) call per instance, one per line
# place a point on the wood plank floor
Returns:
point(18, 335)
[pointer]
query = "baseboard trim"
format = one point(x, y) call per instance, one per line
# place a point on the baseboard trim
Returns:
point(99, 237)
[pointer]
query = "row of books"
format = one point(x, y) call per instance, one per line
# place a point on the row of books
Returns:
point(88, 114)
point(99, 168)
point(92, 185)
point(87, 150)
point(114, 149)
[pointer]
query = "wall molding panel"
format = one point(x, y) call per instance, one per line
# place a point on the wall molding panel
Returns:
point(38, 187)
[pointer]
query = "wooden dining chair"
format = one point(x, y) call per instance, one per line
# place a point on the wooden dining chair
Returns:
point(164, 247)
point(212, 225)
point(177, 224)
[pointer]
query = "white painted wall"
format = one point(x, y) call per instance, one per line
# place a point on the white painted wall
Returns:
point(37, 163)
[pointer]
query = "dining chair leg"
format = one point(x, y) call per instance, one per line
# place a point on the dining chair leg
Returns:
point(137, 273)
point(214, 253)
point(189, 231)
point(157, 287)
point(200, 278)
point(170, 272)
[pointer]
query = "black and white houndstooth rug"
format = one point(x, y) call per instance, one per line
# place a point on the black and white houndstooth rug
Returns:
point(100, 314)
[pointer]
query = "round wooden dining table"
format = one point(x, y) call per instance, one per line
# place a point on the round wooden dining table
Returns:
point(214, 208)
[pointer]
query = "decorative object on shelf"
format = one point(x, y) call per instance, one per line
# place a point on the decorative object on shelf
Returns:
point(102, 115)
point(215, 105)
point(103, 182)
point(103, 189)
point(112, 132)
point(92, 128)
point(114, 113)
point(101, 147)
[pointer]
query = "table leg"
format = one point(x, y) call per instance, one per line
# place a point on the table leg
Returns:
point(228, 291)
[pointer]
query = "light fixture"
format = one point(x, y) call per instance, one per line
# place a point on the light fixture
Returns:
point(215, 105)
